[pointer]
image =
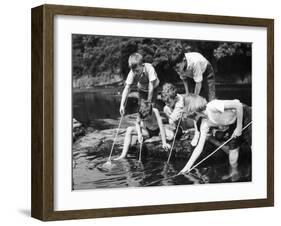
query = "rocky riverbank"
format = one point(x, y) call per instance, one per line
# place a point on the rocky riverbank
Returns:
point(97, 141)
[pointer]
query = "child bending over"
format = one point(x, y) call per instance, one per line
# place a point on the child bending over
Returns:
point(145, 76)
point(193, 66)
point(215, 114)
point(148, 124)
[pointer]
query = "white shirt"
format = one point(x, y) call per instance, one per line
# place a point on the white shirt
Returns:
point(175, 114)
point(218, 115)
point(196, 65)
point(148, 75)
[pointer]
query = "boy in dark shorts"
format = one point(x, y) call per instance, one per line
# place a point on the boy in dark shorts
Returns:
point(144, 75)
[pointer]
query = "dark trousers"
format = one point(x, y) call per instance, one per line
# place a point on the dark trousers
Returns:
point(208, 89)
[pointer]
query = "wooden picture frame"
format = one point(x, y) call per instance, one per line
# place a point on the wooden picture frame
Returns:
point(42, 203)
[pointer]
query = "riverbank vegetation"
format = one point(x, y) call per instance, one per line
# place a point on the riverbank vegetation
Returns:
point(103, 60)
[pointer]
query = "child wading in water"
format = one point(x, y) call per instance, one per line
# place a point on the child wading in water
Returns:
point(148, 124)
point(219, 113)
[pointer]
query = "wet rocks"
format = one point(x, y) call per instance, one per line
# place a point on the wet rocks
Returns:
point(100, 141)
point(78, 130)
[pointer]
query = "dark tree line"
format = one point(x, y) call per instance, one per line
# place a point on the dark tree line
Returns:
point(104, 56)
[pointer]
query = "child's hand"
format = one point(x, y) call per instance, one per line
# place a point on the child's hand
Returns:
point(166, 146)
point(122, 110)
point(237, 132)
point(183, 171)
point(140, 139)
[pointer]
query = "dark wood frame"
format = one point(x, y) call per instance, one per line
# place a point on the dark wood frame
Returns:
point(42, 203)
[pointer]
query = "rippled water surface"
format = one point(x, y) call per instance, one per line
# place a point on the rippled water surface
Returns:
point(94, 109)
point(91, 172)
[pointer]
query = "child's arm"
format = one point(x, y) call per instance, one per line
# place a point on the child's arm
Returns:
point(138, 128)
point(185, 83)
point(199, 148)
point(162, 130)
point(177, 111)
point(237, 105)
point(150, 91)
point(124, 97)
point(153, 81)
point(167, 111)
point(198, 78)
point(197, 89)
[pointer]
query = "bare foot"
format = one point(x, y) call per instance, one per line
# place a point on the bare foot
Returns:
point(119, 158)
point(233, 176)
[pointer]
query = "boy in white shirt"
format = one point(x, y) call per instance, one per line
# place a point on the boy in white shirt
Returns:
point(146, 78)
point(195, 66)
point(217, 113)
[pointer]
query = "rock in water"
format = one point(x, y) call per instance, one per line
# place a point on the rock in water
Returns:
point(107, 166)
point(78, 130)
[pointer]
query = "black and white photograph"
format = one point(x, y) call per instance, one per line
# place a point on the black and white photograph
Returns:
point(159, 112)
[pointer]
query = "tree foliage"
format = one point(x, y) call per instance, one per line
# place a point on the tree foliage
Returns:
point(107, 56)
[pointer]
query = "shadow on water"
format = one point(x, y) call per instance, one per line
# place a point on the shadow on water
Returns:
point(89, 108)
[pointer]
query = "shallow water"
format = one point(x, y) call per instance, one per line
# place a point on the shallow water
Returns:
point(103, 103)
point(89, 171)
point(94, 109)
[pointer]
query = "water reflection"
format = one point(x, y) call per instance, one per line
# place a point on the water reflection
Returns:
point(129, 172)
point(99, 110)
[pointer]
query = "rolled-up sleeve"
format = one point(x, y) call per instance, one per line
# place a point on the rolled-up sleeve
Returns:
point(130, 78)
point(152, 75)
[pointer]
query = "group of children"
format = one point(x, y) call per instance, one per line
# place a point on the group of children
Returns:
point(192, 67)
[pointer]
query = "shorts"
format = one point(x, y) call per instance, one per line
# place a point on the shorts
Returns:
point(153, 133)
point(179, 133)
point(246, 136)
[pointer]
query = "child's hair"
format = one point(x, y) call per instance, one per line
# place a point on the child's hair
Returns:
point(194, 103)
point(176, 58)
point(135, 59)
point(169, 91)
point(145, 109)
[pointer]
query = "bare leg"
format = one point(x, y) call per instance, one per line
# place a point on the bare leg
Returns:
point(127, 142)
point(196, 135)
point(233, 156)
